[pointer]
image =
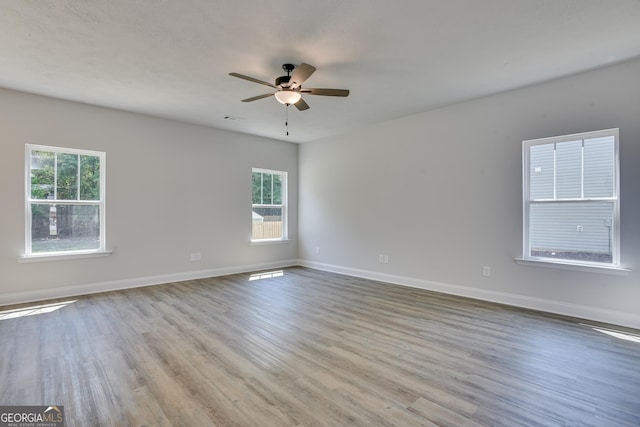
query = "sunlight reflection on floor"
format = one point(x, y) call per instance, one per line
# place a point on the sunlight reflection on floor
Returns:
point(266, 275)
point(33, 310)
point(617, 334)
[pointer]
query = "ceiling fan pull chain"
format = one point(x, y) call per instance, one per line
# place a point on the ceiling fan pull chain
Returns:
point(286, 120)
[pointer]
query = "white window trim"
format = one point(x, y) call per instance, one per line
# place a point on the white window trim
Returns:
point(574, 266)
point(268, 242)
point(285, 208)
point(28, 255)
point(608, 268)
point(54, 256)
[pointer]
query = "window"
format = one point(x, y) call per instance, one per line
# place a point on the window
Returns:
point(571, 204)
point(64, 201)
point(269, 210)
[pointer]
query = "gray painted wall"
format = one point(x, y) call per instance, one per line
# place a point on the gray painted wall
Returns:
point(172, 189)
point(440, 193)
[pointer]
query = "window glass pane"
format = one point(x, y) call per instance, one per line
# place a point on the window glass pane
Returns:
point(257, 188)
point(267, 223)
point(572, 230)
point(541, 172)
point(599, 167)
point(64, 227)
point(89, 178)
point(67, 176)
point(42, 165)
point(569, 169)
point(277, 189)
point(267, 188)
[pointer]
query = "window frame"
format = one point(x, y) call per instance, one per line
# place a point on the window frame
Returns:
point(528, 201)
point(29, 255)
point(284, 206)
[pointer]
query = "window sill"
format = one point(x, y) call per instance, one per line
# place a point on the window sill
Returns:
point(590, 268)
point(62, 257)
point(269, 242)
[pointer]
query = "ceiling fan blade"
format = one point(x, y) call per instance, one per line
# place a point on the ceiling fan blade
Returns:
point(301, 105)
point(300, 74)
point(326, 92)
point(251, 79)
point(255, 98)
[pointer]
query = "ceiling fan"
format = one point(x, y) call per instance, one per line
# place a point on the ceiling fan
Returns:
point(289, 88)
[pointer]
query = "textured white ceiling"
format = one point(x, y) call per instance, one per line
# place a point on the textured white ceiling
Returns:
point(172, 58)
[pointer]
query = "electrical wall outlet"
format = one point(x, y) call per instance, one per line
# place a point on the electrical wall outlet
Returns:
point(486, 271)
point(195, 256)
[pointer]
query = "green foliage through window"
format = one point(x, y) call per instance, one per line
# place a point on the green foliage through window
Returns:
point(267, 188)
point(54, 176)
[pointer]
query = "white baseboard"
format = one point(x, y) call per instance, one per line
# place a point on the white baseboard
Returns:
point(115, 285)
point(550, 306)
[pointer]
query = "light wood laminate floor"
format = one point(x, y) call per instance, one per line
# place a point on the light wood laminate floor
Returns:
point(313, 348)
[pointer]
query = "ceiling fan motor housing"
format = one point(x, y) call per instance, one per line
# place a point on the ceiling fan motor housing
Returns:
point(283, 80)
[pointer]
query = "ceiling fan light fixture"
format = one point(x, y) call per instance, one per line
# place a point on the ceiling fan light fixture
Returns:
point(288, 97)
